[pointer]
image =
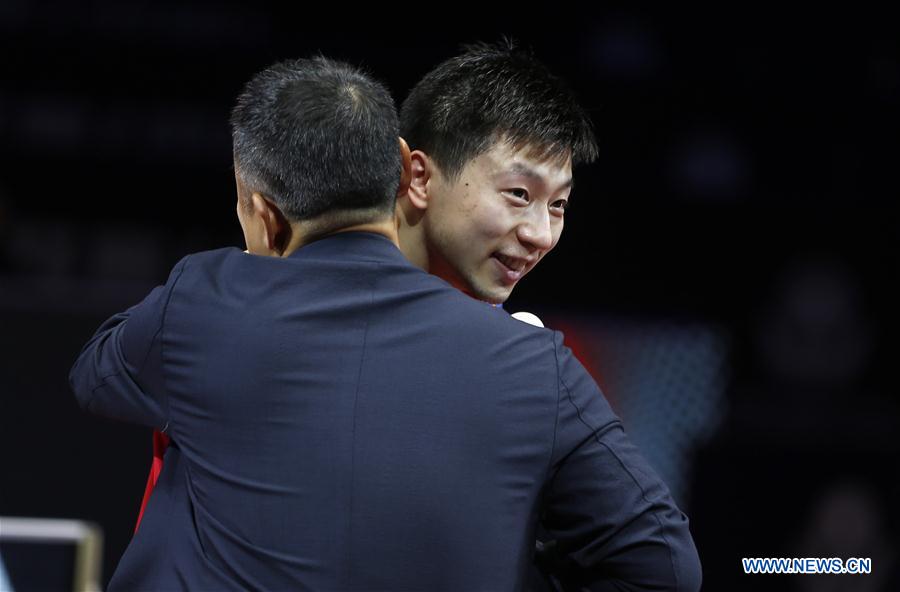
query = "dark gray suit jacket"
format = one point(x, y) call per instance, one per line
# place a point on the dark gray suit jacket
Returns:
point(341, 420)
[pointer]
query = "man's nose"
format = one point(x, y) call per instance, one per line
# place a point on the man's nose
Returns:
point(535, 230)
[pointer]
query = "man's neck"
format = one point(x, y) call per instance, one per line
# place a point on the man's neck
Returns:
point(302, 233)
point(412, 244)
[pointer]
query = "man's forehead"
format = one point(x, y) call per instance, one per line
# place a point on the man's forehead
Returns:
point(530, 161)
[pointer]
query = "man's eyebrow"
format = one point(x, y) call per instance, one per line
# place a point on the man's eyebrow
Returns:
point(518, 168)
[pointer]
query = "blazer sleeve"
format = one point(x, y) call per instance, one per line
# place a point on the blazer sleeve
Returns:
point(615, 525)
point(118, 373)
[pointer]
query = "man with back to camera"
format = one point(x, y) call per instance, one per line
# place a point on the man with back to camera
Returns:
point(502, 429)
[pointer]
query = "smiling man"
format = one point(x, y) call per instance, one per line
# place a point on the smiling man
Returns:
point(494, 136)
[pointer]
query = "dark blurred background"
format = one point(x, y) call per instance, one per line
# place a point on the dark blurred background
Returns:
point(727, 271)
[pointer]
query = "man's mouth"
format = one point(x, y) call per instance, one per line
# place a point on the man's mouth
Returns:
point(513, 268)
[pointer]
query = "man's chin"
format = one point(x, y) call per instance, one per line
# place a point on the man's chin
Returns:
point(492, 294)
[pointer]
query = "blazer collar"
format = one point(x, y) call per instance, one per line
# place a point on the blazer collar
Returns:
point(359, 246)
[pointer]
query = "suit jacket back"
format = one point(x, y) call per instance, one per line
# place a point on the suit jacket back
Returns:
point(344, 421)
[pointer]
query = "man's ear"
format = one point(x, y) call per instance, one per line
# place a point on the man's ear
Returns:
point(275, 227)
point(421, 170)
point(405, 169)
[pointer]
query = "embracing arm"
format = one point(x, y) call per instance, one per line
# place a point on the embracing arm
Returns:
point(615, 525)
point(118, 373)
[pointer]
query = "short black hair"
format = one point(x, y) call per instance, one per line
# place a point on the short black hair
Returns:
point(318, 136)
point(494, 92)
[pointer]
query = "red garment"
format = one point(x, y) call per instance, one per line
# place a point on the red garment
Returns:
point(160, 443)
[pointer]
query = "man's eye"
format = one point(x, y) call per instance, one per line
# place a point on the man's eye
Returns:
point(518, 193)
point(560, 204)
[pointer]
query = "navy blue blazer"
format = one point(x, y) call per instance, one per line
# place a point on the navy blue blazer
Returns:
point(341, 420)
